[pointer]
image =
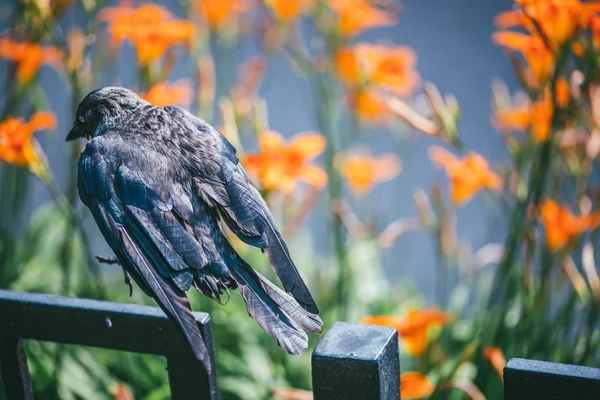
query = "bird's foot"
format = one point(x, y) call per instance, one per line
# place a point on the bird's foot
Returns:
point(128, 282)
point(108, 260)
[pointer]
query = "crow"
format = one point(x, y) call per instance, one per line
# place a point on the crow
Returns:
point(158, 180)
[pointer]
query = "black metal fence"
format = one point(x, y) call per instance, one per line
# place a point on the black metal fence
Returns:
point(351, 361)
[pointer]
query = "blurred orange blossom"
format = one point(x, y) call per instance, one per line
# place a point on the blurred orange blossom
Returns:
point(539, 58)
point(389, 68)
point(369, 105)
point(414, 328)
point(549, 24)
point(291, 394)
point(121, 393)
point(280, 164)
point(467, 176)
point(495, 356)
point(362, 172)
point(536, 116)
point(170, 94)
point(218, 13)
point(558, 20)
point(288, 11)
point(414, 385)
point(150, 28)
point(17, 145)
point(29, 57)
point(356, 16)
point(562, 226)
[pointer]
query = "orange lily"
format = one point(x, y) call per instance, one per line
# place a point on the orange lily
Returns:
point(495, 356)
point(362, 172)
point(561, 226)
point(558, 20)
point(121, 393)
point(356, 16)
point(280, 164)
point(18, 146)
point(291, 394)
point(414, 329)
point(467, 175)
point(289, 11)
point(414, 385)
point(368, 105)
point(150, 28)
point(537, 116)
point(218, 13)
point(29, 57)
point(389, 68)
point(539, 58)
point(170, 94)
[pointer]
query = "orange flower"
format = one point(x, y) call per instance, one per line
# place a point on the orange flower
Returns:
point(150, 28)
point(356, 16)
point(537, 116)
point(363, 172)
point(279, 165)
point(495, 356)
point(391, 321)
point(288, 11)
point(558, 20)
point(467, 175)
point(414, 329)
point(561, 226)
point(538, 57)
point(517, 119)
point(218, 13)
point(390, 68)
point(121, 393)
point(291, 394)
point(17, 146)
point(170, 94)
point(29, 57)
point(414, 385)
point(368, 105)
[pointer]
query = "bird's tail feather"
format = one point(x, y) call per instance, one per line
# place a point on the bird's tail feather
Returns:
point(170, 298)
point(281, 261)
point(274, 311)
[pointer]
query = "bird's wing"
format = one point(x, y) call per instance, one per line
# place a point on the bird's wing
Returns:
point(143, 230)
point(223, 183)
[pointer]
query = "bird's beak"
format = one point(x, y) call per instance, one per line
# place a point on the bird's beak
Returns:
point(74, 133)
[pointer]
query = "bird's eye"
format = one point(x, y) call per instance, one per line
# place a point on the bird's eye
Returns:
point(81, 120)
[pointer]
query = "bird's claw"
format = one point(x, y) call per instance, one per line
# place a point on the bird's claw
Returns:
point(128, 282)
point(108, 260)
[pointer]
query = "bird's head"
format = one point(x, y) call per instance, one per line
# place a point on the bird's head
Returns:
point(100, 105)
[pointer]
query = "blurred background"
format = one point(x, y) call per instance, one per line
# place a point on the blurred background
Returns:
point(407, 207)
point(454, 48)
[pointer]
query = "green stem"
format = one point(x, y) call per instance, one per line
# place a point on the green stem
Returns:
point(327, 117)
point(537, 183)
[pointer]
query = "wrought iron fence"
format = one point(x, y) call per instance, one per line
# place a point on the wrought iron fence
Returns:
point(351, 361)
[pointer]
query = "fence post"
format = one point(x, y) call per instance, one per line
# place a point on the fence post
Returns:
point(357, 361)
point(530, 379)
point(13, 367)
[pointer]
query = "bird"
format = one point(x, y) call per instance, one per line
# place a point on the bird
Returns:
point(159, 183)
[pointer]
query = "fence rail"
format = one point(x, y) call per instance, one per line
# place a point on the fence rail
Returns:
point(351, 362)
point(530, 379)
point(126, 327)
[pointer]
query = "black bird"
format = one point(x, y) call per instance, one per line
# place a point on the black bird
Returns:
point(158, 181)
